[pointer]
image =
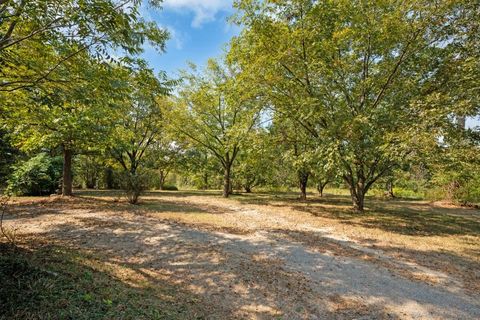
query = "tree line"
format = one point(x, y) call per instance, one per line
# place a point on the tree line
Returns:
point(361, 94)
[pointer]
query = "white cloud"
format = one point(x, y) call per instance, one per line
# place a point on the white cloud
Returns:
point(204, 10)
point(176, 37)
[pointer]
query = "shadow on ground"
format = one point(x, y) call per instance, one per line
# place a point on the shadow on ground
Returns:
point(205, 274)
point(228, 276)
point(394, 215)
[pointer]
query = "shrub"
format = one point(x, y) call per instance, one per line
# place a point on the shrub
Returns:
point(169, 187)
point(134, 185)
point(37, 176)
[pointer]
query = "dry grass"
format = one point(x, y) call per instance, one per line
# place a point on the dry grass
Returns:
point(425, 242)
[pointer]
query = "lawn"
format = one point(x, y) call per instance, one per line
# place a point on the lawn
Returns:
point(195, 255)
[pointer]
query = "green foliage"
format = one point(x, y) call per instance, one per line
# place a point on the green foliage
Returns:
point(8, 156)
point(169, 187)
point(37, 176)
point(88, 170)
point(216, 112)
point(51, 282)
point(368, 83)
point(40, 36)
point(133, 184)
point(139, 127)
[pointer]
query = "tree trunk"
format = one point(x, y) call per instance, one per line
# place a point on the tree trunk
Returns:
point(358, 197)
point(67, 172)
point(389, 192)
point(320, 187)
point(90, 184)
point(163, 177)
point(109, 179)
point(461, 122)
point(303, 180)
point(226, 182)
point(205, 181)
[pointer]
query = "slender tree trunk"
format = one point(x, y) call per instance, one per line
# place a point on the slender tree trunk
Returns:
point(226, 181)
point(389, 192)
point(321, 186)
point(163, 177)
point(205, 181)
point(109, 180)
point(461, 122)
point(303, 180)
point(67, 189)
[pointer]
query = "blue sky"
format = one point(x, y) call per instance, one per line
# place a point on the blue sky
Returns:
point(199, 30)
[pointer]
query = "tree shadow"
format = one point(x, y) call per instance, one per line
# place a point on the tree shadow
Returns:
point(54, 282)
point(99, 194)
point(245, 277)
point(407, 217)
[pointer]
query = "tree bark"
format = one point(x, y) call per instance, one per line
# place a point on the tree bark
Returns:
point(109, 180)
point(358, 198)
point(303, 180)
point(205, 181)
point(67, 181)
point(321, 186)
point(163, 177)
point(389, 192)
point(226, 182)
point(461, 122)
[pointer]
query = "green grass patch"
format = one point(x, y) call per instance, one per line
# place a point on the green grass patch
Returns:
point(52, 282)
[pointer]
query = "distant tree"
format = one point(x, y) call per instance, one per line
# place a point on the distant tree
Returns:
point(139, 126)
point(255, 163)
point(215, 112)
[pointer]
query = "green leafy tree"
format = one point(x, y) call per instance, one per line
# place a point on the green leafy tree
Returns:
point(37, 37)
point(75, 117)
point(216, 113)
point(35, 177)
point(139, 126)
point(358, 77)
point(254, 166)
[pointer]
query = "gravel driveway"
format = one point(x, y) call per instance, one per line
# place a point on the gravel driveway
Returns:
point(268, 273)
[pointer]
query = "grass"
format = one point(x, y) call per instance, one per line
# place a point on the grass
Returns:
point(51, 281)
point(54, 282)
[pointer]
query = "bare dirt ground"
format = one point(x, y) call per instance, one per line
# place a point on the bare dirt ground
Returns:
point(272, 257)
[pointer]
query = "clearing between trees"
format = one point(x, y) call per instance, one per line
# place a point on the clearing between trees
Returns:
point(195, 255)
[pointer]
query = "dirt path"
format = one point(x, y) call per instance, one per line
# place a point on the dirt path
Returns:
point(275, 267)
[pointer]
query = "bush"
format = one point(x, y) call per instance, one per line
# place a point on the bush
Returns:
point(37, 176)
point(134, 185)
point(169, 187)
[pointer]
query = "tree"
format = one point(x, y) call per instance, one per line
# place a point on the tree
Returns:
point(37, 37)
point(165, 156)
point(73, 116)
point(254, 166)
point(57, 86)
point(139, 126)
point(199, 167)
point(297, 150)
point(8, 155)
point(214, 112)
point(354, 75)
